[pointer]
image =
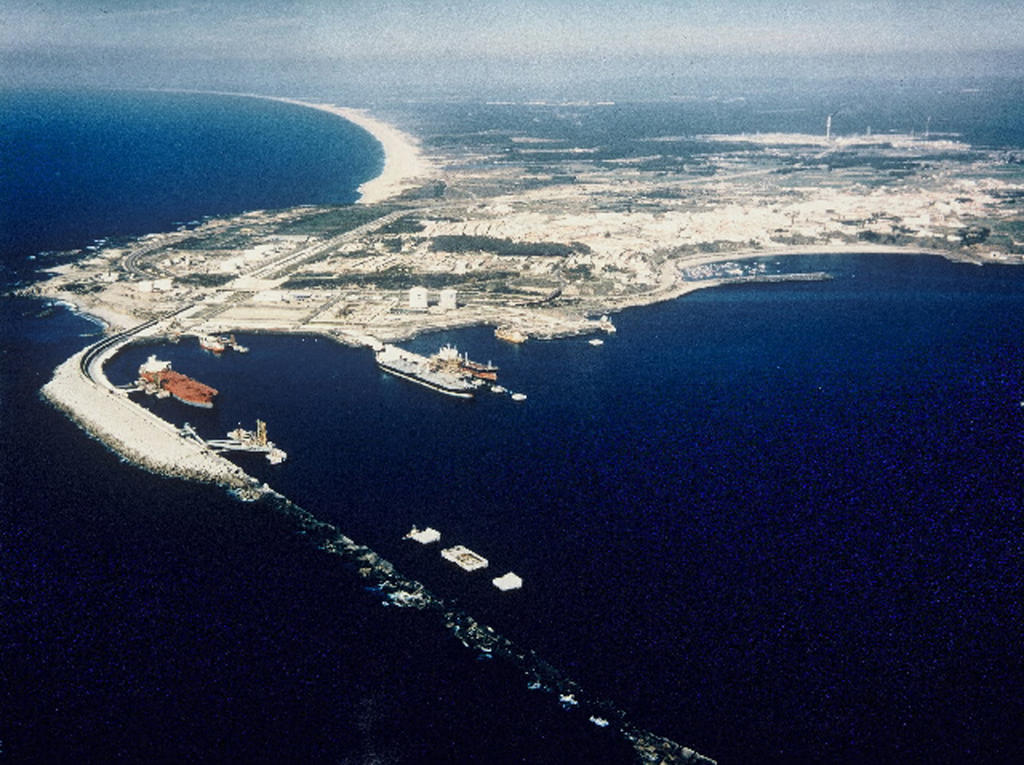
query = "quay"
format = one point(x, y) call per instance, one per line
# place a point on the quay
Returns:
point(81, 390)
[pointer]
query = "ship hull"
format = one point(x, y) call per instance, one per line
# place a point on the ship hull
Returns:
point(455, 392)
point(197, 404)
point(164, 381)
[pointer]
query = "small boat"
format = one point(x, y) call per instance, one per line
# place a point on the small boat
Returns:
point(596, 341)
point(519, 397)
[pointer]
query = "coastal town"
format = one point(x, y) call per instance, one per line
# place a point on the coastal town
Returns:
point(528, 235)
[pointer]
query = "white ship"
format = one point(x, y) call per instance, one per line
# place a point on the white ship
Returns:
point(424, 371)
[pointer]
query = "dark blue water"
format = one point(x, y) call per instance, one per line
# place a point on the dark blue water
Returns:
point(776, 523)
point(78, 166)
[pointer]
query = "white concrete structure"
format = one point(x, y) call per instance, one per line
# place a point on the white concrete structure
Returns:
point(425, 536)
point(418, 298)
point(509, 581)
point(449, 301)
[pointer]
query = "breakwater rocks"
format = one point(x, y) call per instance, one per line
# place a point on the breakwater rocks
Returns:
point(139, 436)
point(397, 590)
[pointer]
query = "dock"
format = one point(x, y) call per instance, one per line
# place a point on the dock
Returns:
point(241, 440)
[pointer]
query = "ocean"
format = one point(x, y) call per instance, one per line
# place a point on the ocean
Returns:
point(775, 523)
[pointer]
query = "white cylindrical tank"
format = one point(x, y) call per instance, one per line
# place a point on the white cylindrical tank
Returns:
point(449, 300)
point(418, 298)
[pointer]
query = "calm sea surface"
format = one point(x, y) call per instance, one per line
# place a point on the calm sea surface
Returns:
point(777, 523)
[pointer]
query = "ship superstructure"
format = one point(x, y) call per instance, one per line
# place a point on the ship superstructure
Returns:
point(450, 360)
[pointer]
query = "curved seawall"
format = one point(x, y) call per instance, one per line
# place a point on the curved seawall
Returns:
point(81, 390)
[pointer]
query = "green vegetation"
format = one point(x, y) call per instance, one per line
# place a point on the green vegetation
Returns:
point(398, 278)
point(223, 240)
point(203, 280)
point(80, 288)
point(468, 243)
point(973, 234)
point(433, 190)
point(582, 271)
point(334, 221)
point(404, 225)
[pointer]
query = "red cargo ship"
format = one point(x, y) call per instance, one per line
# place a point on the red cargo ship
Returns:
point(157, 377)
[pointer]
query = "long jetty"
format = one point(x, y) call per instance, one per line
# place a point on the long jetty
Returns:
point(80, 388)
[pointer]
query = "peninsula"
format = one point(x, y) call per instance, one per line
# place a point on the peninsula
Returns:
point(545, 237)
point(536, 236)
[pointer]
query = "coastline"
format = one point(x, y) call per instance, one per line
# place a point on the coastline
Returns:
point(376, 572)
point(404, 163)
point(145, 440)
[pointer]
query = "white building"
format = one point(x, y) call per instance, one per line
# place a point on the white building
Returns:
point(449, 299)
point(418, 298)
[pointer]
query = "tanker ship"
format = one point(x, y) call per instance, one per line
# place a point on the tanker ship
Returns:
point(448, 358)
point(157, 377)
point(429, 372)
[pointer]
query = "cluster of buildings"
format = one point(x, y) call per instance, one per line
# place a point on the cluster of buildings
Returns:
point(419, 299)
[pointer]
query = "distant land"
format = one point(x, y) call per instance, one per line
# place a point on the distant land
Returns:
point(543, 235)
point(539, 236)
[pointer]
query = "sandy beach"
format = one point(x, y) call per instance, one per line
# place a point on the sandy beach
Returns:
point(404, 164)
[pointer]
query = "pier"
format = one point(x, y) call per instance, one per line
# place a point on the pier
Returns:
point(80, 388)
point(241, 440)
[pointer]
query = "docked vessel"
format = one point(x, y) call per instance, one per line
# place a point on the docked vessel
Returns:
point(448, 358)
point(212, 343)
point(429, 372)
point(219, 344)
point(511, 335)
point(157, 377)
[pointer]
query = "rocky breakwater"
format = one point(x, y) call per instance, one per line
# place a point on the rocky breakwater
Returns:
point(137, 435)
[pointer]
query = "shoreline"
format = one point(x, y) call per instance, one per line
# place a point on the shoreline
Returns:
point(404, 163)
point(146, 441)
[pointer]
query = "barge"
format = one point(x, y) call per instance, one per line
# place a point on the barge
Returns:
point(464, 558)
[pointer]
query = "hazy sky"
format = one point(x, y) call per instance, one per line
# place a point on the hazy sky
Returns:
point(38, 35)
